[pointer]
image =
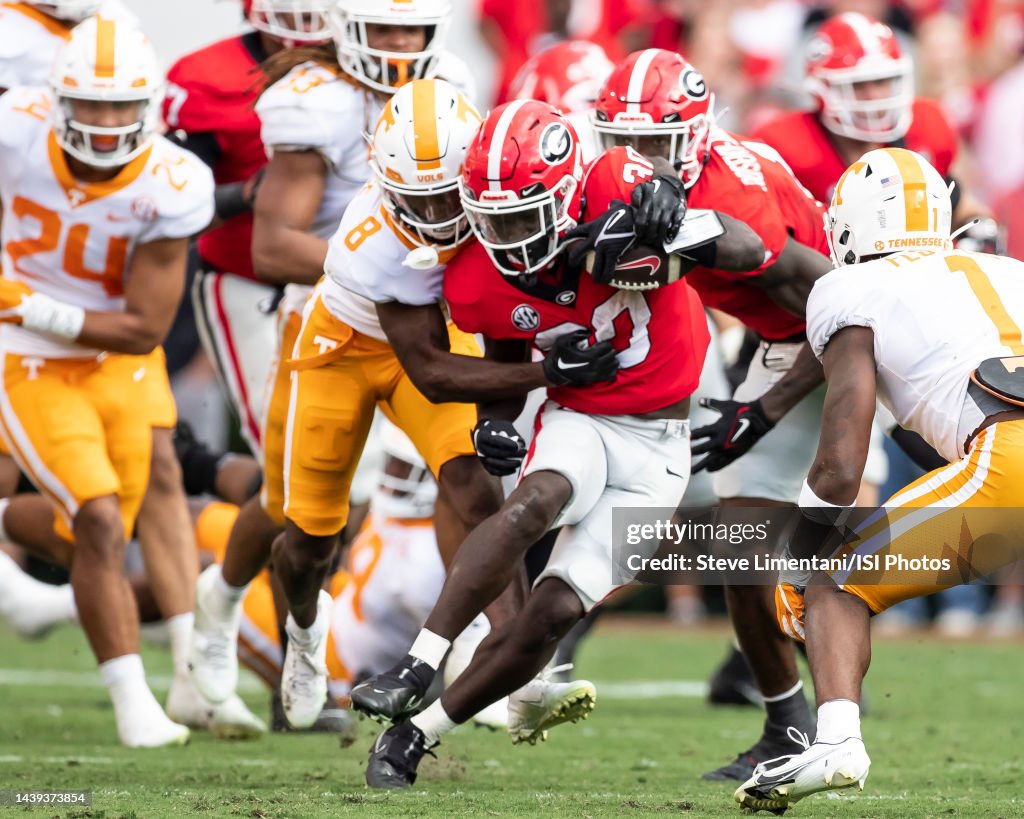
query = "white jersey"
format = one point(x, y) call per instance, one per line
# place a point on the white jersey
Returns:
point(74, 241)
point(397, 575)
point(314, 108)
point(935, 316)
point(365, 266)
point(30, 40)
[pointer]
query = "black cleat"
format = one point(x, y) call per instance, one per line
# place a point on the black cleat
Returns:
point(775, 742)
point(394, 757)
point(395, 694)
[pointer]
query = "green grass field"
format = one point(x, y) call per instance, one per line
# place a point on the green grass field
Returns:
point(945, 735)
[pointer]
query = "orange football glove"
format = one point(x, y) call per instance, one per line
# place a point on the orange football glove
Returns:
point(12, 294)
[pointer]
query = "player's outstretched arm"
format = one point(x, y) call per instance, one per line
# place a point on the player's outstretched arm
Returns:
point(419, 337)
point(788, 282)
point(287, 200)
point(849, 363)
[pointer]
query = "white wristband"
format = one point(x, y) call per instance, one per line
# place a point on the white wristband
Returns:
point(42, 314)
point(821, 511)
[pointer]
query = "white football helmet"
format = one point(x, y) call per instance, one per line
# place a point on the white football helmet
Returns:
point(888, 201)
point(411, 496)
point(388, 70)
point(418, 147)
point(294, 22)
point(74, 10)
point(107, 61)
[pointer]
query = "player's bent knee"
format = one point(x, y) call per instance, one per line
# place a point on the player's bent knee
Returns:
point(301, 547)
point(99, 530)
point(473, 493)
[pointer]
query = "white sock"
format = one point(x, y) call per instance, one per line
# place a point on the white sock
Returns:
point(838, 720)
point(125, 678)
point(304, 636)
point(434, 722)
point(4, 502)
point(430, 648)
point(179, 631)
point(229, 595)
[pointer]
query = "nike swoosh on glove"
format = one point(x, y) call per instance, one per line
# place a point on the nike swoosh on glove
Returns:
point(608, 237)
point(572, 360)
point(659, 207)
point(739, 427)
point(499, 446)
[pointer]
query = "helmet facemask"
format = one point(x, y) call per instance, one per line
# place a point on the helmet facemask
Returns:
point(383, 70)
point(79, 138)
point(293, 22)
point(847, 111)
point(680, 142)
point(521, 235)
point(431, 217)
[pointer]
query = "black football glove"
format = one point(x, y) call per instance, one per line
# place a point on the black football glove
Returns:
point(741, 425)
point(499, 446)
point(609, 236)
point(659, 207)
point(572, 361)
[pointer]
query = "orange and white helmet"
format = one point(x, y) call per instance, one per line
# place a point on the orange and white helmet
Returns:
point(888, 201)
point(293, 22)
point(107, 61)
point(849, 50)
point(73, 10)
point(388, 70)
point(405, 489)
point(417, 152)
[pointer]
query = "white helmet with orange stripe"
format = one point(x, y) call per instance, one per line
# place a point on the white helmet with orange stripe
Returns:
point(72, 10)
point(888, 201)
point(381, 69)
point(406, 489)
point(108, 85)
point(419, 145)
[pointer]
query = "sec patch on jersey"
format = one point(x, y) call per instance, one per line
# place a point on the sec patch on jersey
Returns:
point(642, 267)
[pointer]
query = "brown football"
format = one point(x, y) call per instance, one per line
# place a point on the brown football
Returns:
point(643, 268)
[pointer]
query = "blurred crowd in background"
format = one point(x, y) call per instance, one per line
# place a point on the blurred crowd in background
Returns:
point(968, 57)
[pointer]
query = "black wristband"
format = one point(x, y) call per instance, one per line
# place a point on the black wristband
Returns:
point(229, 200)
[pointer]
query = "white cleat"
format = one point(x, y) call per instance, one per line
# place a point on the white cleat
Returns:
point(150, 727)
point(230, 719)
point(304, 675)
point(213, 652)
point(778, 783)
point(494, 717)
point(542, 704)
point(32, 608)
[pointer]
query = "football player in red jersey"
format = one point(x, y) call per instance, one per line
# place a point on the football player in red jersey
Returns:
point(863, 85)
point(658, 103)
point(211, 96)
point(615, 443)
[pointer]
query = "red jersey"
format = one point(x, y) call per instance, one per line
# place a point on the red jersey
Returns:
point(807, 147)
point(740, 180)
point(661, 335)
point(213, 91)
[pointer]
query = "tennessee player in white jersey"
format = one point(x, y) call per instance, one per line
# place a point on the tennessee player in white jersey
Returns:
point(313, 119)
point(98, 210)
point(31, 35)
point(936, 334)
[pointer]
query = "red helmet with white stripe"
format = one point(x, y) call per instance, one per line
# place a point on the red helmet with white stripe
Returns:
point(659, 104)
point(520, 185)
point(568, 75)
point(863, 81)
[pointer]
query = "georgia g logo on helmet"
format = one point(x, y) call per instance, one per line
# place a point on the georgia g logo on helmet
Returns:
point(555, 143)
point(692, 84)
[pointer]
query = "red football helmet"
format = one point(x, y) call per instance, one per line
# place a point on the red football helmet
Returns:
point(520, 185)
point(864, 83)
point(568, 75)
point(659, 104)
